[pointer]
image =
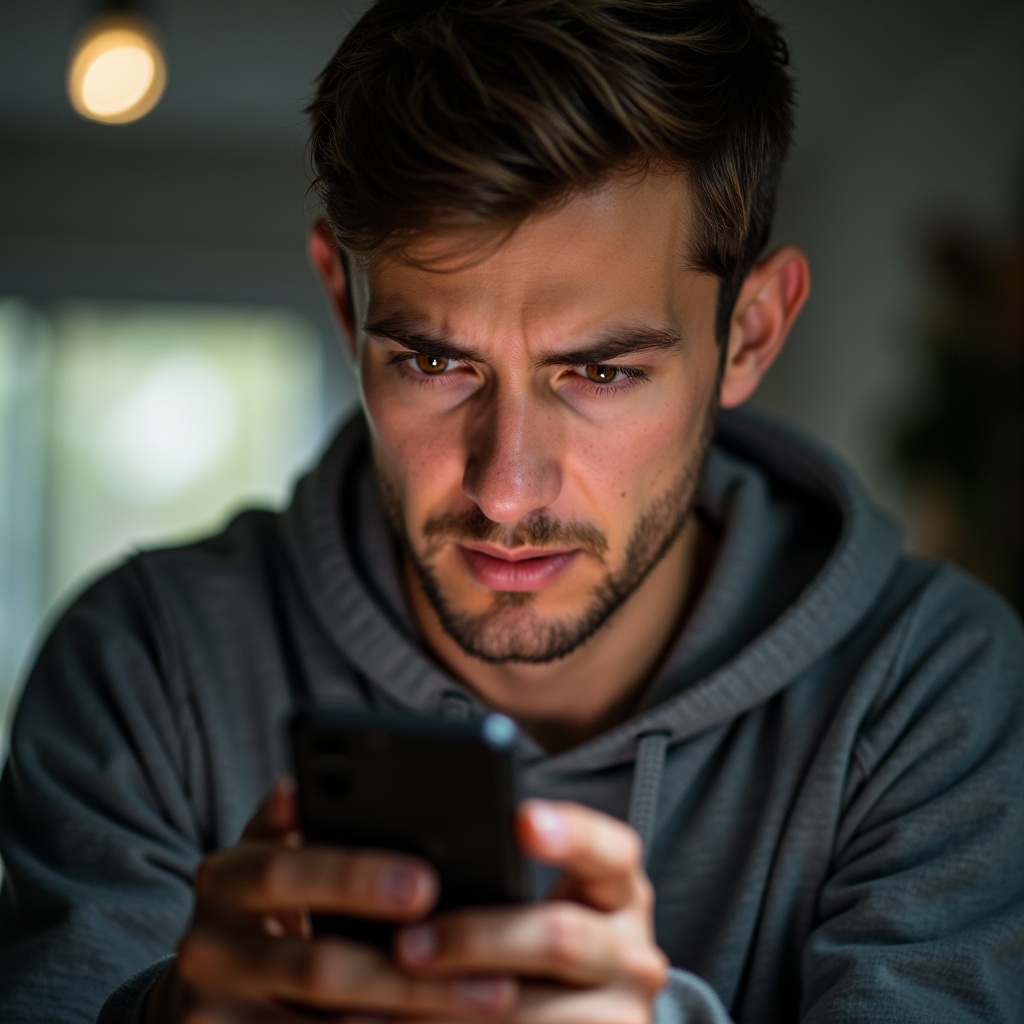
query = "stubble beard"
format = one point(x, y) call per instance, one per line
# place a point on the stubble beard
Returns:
point(510, 630)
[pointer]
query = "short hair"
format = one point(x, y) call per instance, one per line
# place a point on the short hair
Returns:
point(457, 114)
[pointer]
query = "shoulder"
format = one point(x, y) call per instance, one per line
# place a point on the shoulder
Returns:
point(131, 636)
point(243, 558)
point(957, 629)
point(951, 701)
point(132, 596)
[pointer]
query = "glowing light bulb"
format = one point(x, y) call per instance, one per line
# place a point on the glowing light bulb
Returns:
point(117, 72)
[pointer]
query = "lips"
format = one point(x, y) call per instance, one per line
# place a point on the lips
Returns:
point(521, 571)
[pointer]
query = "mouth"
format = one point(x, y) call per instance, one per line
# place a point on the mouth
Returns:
point(525, 569)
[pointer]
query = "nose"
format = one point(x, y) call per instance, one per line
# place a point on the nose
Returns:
point(512, 466)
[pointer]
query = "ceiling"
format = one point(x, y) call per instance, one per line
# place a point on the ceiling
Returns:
point(240, 72)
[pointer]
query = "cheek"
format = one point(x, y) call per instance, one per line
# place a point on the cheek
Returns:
point(424, 466)
point(622, 469)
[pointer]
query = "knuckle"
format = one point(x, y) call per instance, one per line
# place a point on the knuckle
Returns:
point(270, 876)
point(565, 936)
point(634, 849)
point(643, 964)
point(318, 974)
point(206, 877)
point(191, 959)
point(654, 972)
point(645, 893)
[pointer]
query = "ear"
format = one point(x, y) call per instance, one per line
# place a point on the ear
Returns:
point(333, 273)
point(772, 295)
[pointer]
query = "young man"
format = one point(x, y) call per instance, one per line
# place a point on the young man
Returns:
point(544, 234)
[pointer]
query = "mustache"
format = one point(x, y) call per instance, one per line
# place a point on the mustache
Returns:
point(539, 529)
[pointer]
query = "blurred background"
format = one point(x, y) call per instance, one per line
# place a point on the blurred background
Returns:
point(166, 357)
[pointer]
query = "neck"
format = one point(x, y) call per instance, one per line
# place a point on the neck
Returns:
point(598, 685)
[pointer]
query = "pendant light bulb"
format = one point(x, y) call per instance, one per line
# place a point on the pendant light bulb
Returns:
point(117, 72)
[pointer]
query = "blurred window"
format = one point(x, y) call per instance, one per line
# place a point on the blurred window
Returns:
point(130, 425)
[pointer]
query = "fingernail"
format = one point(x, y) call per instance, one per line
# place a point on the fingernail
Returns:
point(286, 785)
point(399, 886)
point(551, 825)
point(482, 993)
point(418, 945)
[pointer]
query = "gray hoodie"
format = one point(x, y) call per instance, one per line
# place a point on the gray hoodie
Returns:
point(827, 769)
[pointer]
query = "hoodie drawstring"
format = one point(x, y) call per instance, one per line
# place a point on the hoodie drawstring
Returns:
point(647, 773)
point(643, 799)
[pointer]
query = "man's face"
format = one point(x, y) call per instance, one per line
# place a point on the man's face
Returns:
point(540, 412)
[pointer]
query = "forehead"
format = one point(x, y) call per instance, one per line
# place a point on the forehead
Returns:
point(612, 252)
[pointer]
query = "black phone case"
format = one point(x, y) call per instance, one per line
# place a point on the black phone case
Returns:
point(443, 791)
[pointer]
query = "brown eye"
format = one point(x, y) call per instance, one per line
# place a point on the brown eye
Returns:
point(432, 365)
point(601, 374)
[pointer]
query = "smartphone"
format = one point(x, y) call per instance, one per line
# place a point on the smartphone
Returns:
point(443, 791)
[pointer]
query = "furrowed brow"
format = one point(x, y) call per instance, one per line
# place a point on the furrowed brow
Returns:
point(419, 338)
point(614, 345)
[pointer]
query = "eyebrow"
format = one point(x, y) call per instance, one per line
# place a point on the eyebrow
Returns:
point(613, 343)
point(610, 344)
point(406, 331)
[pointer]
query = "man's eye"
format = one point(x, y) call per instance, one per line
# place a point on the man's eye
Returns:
point(601, 373)
point(432, 366)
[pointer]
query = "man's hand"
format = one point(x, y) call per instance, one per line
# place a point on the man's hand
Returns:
point(248, 954)
point(585, 954)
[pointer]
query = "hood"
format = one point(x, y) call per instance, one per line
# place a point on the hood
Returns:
point(802, 555)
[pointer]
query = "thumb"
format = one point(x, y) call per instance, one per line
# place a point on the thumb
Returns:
point(277, 817)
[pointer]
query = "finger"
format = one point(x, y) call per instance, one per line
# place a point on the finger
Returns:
point(601, 855)
point(262, 877)
point(555, 1004)
point(549, 1004)
point(277, 816)
point(563, 941)
point(234, 1012)
point(329, 974)
point(276, 1013)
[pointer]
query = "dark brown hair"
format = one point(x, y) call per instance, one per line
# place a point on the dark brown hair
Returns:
point(466, 113)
